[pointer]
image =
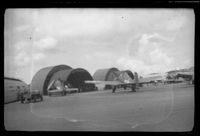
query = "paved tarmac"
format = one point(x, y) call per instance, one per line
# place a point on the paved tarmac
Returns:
point(153, 108)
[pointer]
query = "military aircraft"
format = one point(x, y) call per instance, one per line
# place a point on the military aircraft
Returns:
point(121, 80)
point(55, 86)
point(188, 76)
point(153, 78)
point(58, 87)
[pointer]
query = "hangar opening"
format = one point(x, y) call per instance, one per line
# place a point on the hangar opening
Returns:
point(74, 78)
point(77, 78)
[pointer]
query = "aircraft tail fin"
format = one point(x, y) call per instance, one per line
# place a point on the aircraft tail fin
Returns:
point(59, 84)
point(125, 78)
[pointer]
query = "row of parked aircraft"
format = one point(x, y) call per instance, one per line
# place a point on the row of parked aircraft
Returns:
point(123, 80)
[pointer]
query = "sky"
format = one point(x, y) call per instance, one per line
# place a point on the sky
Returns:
point(141, 40)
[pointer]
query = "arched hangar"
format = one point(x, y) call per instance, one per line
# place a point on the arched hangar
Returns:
point(129, 73)
point(105, 74)
point(109, 75)
point(75, 77)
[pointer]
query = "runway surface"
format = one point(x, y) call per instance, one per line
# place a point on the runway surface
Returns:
point(155, 108)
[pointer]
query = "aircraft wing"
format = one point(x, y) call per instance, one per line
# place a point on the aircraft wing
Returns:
point(186, 74)
point(122, 79)
point(55, 91)
point(109, 82)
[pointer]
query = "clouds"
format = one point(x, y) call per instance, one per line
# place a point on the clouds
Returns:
point(38, 56)
point(157, 56)
point(127, 62)
point(176, 22)
point(149, 56)
point(69, 22)
point(74, 22)
point(22, 58)
point(152, 51)
point(99, 59)
point(27, 51)
point(27, 55)
point(22, 28)
point(156, 38)
point(21, 54)
point(142, 40)
point(137, 65)
point(45, 43)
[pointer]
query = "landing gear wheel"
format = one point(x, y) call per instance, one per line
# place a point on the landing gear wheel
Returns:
point(22, 101)
point(113, 90)
point(41, 98)
point(133, 87)
point(34, 99)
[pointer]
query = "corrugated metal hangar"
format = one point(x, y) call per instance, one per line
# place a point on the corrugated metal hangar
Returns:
point(129, 73)
point(12, 87)
point(67, 74)
point(109, 74)
point(105, 74)
point(41, 79)
point(75, 77)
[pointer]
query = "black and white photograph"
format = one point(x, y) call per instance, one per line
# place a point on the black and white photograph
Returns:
point(99, 69)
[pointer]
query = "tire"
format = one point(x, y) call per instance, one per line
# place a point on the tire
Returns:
point(18, 97)
point(22, 101)
point(133, 88)
point(34, 99)
point(113, 90)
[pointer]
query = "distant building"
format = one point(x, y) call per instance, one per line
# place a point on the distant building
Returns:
point(12, 86)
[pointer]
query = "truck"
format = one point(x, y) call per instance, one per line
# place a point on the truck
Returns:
point(31, 96)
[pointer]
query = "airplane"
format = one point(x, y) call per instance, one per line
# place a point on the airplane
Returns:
point(57, 86)
point(188, 76)
point(181, 75)
point(152, 78)
point(122, 79)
